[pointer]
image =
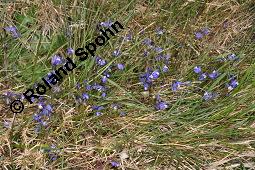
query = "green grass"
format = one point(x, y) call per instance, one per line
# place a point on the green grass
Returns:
point(191, 134)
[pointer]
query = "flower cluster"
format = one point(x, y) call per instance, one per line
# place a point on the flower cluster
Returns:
point(43, 115)
point(203, 75)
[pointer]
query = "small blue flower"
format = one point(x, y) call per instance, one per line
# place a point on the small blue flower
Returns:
point(176, 85)
point(98, 113)
point(159, 57)
point(13, 30)
point(122, 113)
point(161, 105)
point(100, 61)
point(167, 57)
point(104, 79)
point(233, 84)
point(37, 117)
point(43, 123)
point(115, 106)
point(148, 42)
point(120, 66)
point(208, 96)
point(70, 51)
point(159, 31)
point(214, 74)
point(232, 57)
point(146, 86)
point(103, 95)
point(7, 124)
point(165, 69)
point(128, 37)
point(158, 49)
point(116, 53)
point(85, 96)
point(145, 53)
point(106, 73)
point(197, 69)
point(154, 74)
point(97, 108)
point(88, 87)
point(115, 164)
point(198, 35)
point(146, 81)
point(49, 107)
point(106, 24)
point(98, 87)
point(205, 31)
point(202, 77)
point(53, 156)
point(56, 60)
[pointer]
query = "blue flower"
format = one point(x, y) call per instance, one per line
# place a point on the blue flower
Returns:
point(122, 113)
point(115, 106)
point(209, 96)
point(100, 61)
point(70, 51)
point(159, 31)
point(116, 53)
point(103, 94)
point(43, 123)
point(120, 66)
point(37, 117)
point(176, 85)
point(53, 156)
point(154, 74)
point(128, 37)
point(205, 31)
point(98, 87)
point(106, 73)
point(88, 87)
point(214, 74)
point(232, 57)
point(160, 105)
point(85, 96)
point(232, 84)
point(198, 35)
point(165, 68)
point(56, 60)
point(97, 108)
point(104, 79)
point(197, 69)
point(167, 57)
point(158, 49)
point(106, 24)
point(146, 80)
point(202, 77)
point(145, 53)
point(148, 42)
point(98, 113)
point(7, 124)
point(13, 30)
point(49, 108)
point(115, 164)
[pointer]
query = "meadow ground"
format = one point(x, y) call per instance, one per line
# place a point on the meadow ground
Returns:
point(175, 89)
